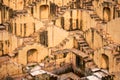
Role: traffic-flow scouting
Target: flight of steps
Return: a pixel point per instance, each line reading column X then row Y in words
column 61, row 45
column 63, row 9
column 106, row 36
column 29, row 40
column 88, row 5
column 84, row 47
column 86, row 58
column 115, row 50
column 90, row 63
column 32, row 38
column 60, row 12
column 82, row 44
column 118, row 58
column 117, row 55
column 26, row 41
column 94, row 16
column 90, row 9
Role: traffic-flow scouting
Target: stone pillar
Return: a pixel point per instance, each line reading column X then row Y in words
column 22, row 29
column 74, row 17
column 22, row 57
column 34, row 13
column 25, row 29
column 18, row 29
column 13, row 26
column 21, row 24
column 7, row 14
column 0, row 16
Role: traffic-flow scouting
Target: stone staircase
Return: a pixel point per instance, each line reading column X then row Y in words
column 85, row 48
column 82, row 43
column 26, row 41
column 106, row 36
column 118, row 57
column 110, row 44
column 29, row 40
column 60, row 12
column 115, row 51
column 90, row 9
column 61, row 45
column 32, row 38
column 88, row 5
column 94, row 16
column 86, row 58
column 63, row 9
column 89, row 62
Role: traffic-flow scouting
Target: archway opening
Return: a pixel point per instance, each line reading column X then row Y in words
column 105, row 62
column 32, row 56
column 106, row 14
column 44, row 12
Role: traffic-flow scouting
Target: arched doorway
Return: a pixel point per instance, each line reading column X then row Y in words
column 105, row 62
column 44, row 12
column 32, row 56
column 106, row 14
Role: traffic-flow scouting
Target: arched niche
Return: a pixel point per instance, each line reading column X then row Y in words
column 32, row 56
column 44, row 11
column 106, row 14
column 105, row 62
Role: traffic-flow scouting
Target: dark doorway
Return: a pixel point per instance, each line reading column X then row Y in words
column 79, row 62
